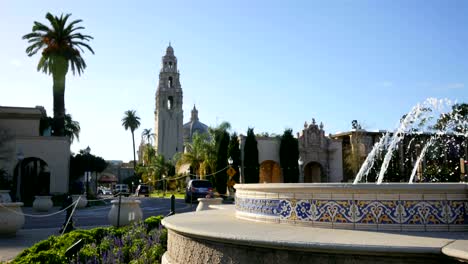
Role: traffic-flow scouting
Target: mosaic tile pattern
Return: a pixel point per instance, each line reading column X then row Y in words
column 372, row 212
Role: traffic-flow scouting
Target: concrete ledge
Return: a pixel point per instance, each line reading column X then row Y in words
column 221, row 226
column 458, row 249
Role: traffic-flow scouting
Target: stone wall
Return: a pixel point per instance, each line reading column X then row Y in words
column 186, row 249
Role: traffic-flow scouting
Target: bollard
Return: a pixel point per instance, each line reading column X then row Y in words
column 172, row 212
column 118, row 210
column 173, row 204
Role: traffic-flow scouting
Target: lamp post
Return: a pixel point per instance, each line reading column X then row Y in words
column 230, row 172
column 87, row 173
column 300, row 162
column 20, row 157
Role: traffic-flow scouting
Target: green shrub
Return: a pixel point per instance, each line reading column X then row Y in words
column 59, row 199
column 142, row 242
column 153, row 222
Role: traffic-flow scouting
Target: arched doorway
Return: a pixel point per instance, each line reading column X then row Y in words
column 34, row 180
column 313, row 172
column 270, row 172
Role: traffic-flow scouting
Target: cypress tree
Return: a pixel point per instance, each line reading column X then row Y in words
column 251, row 158
column 289, row 154
column 222, row 143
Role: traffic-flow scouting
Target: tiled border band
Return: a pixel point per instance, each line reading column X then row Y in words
column 368, row 211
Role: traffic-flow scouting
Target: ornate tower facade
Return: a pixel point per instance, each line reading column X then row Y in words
column 168, row 112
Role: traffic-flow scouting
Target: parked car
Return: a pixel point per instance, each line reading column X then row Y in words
column 197, row 189
column 142, row 189
column 104, row 191
column 121, row 188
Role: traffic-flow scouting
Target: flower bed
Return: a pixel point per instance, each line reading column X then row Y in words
column 141, row 242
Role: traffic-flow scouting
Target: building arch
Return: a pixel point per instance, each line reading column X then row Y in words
column 270, row 172
column 34, row 176
column 313, row 172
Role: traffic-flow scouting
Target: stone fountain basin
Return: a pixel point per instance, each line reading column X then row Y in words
column 387, row 207
column 11, row 218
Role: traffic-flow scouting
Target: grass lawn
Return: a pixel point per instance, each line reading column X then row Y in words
column 178, row 195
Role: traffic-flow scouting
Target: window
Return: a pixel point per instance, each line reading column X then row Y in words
column 169, row 82
column 170, row 102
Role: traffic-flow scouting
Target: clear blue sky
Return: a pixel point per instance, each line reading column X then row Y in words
column 270, row 65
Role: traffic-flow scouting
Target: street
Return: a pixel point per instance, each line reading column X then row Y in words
column 97, row 215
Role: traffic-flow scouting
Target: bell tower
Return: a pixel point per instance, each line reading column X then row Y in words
column 168, row 112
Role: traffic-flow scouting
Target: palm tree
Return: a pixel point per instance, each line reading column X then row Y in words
column 132, row 121
column 147, row 135
column 61, row 45
column 72, row 128
column 200, row 154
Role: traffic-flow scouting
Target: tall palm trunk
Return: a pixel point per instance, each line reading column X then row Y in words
column 134, row 157
column 58, row 75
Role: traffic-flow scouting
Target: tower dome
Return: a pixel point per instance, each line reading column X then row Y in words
column 194, row 126
column 169, row 50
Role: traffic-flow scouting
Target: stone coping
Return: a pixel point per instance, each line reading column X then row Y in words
column 17, row 204
column 349, row 187
column 126, row 201
column 223, row 226
column 457, row 249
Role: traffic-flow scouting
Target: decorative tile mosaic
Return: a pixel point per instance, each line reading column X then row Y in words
column 367, row 212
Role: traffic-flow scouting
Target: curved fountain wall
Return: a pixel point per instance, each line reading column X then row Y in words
column 395, row 206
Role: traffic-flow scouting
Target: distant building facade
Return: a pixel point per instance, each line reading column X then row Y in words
column 118, row 170
column 358, row 142
column 321, row 156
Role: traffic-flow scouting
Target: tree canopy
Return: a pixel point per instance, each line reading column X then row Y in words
column 131, row 121
column 61, row 46
column 251, row 166
column 221, row 136
column 289, row 155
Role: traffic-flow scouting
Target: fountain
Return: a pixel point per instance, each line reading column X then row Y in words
column 362, row 222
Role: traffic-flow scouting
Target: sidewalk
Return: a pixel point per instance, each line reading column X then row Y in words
column 10, row 247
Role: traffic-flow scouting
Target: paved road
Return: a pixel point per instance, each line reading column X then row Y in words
column 97, row 215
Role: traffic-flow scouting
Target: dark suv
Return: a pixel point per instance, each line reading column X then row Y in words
column 197, row 189
column 142, row 189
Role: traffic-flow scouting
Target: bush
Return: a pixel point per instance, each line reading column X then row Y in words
column 153, row 222
column 52, row 250
column 59, row 199
column 140, row 242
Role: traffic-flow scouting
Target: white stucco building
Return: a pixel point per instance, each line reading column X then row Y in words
column 40, row 162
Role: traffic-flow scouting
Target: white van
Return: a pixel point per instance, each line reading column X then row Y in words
column 121, row 188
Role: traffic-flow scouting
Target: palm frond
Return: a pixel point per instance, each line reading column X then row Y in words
column 40, row 27
column 61, row 39
column 79, row 44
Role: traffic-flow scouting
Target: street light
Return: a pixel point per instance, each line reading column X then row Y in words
column 230, row 172
column 87, row 173
column 300, row 162
column 20, row 157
